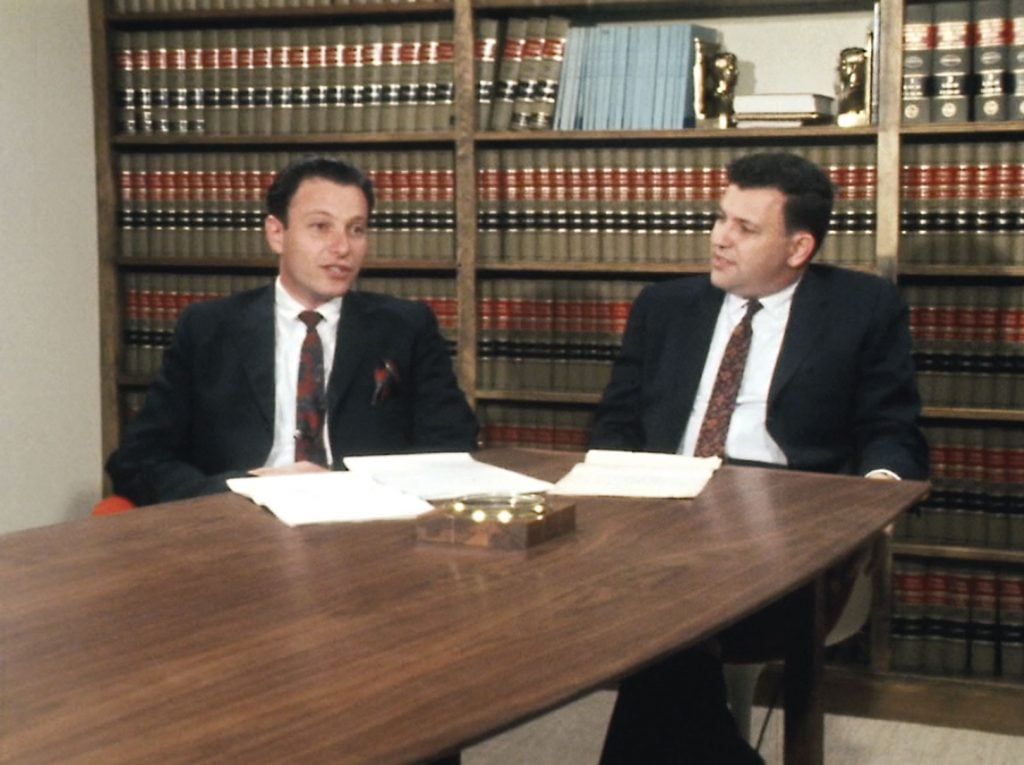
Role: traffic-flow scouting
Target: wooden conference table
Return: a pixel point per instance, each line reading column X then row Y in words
column 208, row 631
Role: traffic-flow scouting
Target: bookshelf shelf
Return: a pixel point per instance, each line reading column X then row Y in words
column 958, row 553
column 205, row 16
column 731, row 136
column 692, row 7
column 963, row 271
column 965, row 413
column 473, row 275
column 964, row 130
column 269, row 264
column 205, row 140
column 541, row 397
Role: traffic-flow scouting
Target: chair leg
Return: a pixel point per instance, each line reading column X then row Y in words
column 740, row 682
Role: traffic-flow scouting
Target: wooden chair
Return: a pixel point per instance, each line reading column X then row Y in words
column 741, row 679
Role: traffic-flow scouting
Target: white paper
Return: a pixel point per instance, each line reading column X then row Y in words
column 608, row 473
column 442, row 475
column 328, row 497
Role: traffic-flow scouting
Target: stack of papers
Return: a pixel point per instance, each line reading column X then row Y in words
column 329, row 496
column 443, row 475
column 606, row 473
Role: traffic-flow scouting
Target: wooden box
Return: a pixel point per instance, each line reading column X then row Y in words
column 500, row 522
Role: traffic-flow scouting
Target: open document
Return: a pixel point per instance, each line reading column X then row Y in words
column 443, row 475
column 328, row 496
column 606, row 473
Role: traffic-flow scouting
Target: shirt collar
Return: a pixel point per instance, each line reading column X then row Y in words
column 771, row 304
column 288, row 307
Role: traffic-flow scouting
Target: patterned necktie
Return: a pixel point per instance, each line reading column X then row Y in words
column 309, row 403
column 711, row 440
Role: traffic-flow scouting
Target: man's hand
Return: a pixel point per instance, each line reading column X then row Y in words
column 292, row 469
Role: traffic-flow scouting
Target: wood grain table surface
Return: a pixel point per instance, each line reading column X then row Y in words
column 208, row 631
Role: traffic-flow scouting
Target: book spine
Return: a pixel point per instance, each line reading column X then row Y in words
column 527, row 86
column 372, row 58
column 320, row 66
column 426, row 76
column 952, row 62
column 1015, row 57
column 992, row 30
column 508, row 73
column 444, row 109
column 485, row 58
column 918, row 53
column 390, row 76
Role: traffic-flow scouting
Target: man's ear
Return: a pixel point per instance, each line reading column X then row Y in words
column 273, row 230
column 802, row 246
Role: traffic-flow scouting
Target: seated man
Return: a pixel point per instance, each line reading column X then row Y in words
column 298, row 374
column 772, row 360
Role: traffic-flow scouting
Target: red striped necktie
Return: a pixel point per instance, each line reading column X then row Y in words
column 310, row 404
column 711, row 440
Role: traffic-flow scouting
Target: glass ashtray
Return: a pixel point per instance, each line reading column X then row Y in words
column 503, row 508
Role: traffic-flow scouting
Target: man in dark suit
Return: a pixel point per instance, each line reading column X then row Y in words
column 827, row 385
column 224, row 403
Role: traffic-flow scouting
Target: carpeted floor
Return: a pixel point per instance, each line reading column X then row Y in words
column 572, row 735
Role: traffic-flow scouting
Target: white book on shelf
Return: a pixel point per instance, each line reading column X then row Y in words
column 784, row 103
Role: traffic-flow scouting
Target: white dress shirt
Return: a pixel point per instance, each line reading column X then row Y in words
column 748, row 437
column 289, row 332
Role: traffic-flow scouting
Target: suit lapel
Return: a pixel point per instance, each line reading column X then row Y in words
column 254, row 342
column 808, row 318
column 355, row 339
column 687, row 342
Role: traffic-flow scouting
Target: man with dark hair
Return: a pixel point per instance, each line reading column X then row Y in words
column 769, row 360
column 296, row 375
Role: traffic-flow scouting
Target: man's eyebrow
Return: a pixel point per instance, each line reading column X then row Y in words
column 745, row 221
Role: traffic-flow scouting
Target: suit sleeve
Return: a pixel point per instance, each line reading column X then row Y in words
column 887, row 406
column 153, row 462
column 618, row 420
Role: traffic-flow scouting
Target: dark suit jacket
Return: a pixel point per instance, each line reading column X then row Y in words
column 209, row 414
column 842, row 398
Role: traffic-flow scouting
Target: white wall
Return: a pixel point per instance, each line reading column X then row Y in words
column 791, row 54
column 50, row 461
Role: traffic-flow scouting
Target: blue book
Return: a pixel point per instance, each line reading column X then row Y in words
column 644, row 52
column 568, row 88
column 660, row 76
column 602, row 56
column 621, row 58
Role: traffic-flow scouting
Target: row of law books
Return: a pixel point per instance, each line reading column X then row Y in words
column 972, row 380
column 962, row 204
column 174, row 6
column 970, row 318
column 550, row 334
column 284, row 79
column 641, row 205
column 533, row 426
column 977, row 496
column 991, row 517
column 958, row 619
column 210, row 205
column 152, row 302
column 963, row 60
